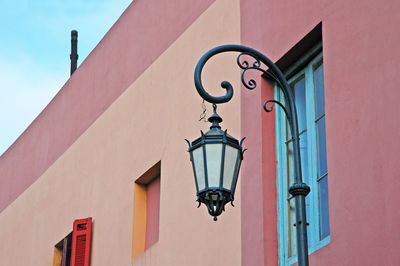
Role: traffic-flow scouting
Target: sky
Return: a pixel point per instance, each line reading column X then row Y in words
column 35, row 44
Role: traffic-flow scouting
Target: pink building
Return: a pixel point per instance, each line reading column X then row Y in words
column 106, row 160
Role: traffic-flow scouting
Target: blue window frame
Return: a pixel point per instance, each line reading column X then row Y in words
column 308, row 89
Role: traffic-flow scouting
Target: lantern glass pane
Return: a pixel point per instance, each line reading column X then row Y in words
column 214, row 154
column 236, row 174
column 198, row 161
column 231, row 155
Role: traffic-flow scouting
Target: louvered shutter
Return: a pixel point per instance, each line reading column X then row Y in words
column 81, row 241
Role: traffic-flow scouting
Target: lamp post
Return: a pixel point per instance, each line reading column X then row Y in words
column 210, row 164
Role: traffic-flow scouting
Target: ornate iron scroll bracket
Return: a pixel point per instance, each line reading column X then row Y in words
column 245, row 65
column 274, row 73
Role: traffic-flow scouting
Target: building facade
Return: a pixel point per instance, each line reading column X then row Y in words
column 106, row 160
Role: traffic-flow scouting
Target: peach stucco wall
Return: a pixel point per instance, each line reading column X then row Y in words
column 146, row 124
column 142, row 33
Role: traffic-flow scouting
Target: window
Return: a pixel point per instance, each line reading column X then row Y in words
column 62, row 252
column 146, row 210
column 308, row 90
column 74, row 249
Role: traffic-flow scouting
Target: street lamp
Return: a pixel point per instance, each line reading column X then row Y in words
column 207, row 152
column 216, row 157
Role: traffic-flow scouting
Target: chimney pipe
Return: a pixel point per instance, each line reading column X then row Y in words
column 74, row 50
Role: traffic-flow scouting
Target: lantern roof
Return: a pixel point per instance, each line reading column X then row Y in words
column 215, row 134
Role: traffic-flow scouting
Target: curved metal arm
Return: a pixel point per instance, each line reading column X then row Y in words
column 266, row 109
column 274, row 74
column 299, row 190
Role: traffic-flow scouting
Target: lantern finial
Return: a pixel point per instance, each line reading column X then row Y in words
column 215, row 119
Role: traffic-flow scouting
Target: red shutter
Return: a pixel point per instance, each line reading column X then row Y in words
column 81, row 240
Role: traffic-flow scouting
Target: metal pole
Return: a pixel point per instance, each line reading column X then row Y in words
column 299, row 189
column 74, row 51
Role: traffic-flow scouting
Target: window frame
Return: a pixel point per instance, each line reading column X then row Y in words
column 141, row 214
column 304, row 66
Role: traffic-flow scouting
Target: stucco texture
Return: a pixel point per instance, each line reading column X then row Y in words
column 140, row 35
column 147, row 123
column 361, row 65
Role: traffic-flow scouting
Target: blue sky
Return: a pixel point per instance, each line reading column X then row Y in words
column 35, row 45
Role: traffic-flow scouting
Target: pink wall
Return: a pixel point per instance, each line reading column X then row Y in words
column 259, row 236
column 123, row 54
column 361, row 64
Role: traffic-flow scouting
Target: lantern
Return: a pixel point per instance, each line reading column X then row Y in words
column 216, row 157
